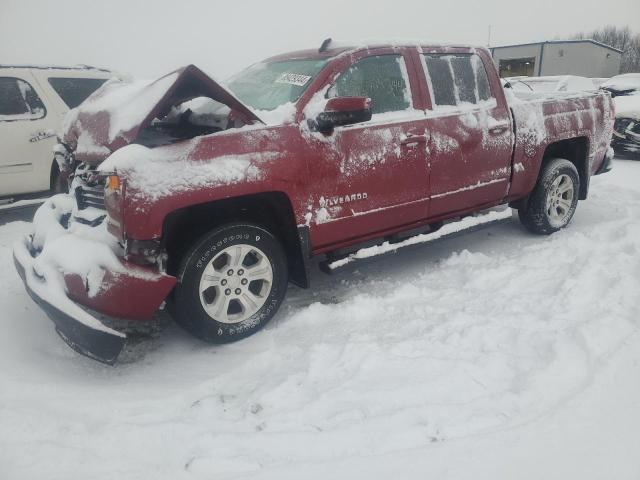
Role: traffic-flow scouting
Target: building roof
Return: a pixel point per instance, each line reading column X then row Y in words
column 586, row 40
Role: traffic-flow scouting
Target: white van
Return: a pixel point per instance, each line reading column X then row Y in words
column 33, row 103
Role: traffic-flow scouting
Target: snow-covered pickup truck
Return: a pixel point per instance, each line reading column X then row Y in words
column 210, row 199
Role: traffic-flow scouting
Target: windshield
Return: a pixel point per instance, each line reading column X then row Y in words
column 266, row 86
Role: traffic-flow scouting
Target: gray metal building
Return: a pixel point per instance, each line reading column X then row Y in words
column 587, row 58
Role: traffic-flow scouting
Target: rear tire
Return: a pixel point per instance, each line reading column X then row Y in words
column 230, row 283
column 553, row 201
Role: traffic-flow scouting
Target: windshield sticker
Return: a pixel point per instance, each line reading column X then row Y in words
column 293, row 79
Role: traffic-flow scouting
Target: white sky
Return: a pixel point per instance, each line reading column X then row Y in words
column 148, row 38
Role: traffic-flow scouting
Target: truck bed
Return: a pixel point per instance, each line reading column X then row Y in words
column 561, row 119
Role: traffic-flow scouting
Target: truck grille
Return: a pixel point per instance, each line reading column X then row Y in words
column 90, row 197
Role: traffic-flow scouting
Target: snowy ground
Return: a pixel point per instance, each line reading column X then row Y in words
column 495, row 354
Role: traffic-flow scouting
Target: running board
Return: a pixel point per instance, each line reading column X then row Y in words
column 337, row 260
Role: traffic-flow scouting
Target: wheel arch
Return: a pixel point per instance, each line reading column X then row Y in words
column 576, row 150
column 270, row 210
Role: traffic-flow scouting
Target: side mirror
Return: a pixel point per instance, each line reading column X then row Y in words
column 343, row 111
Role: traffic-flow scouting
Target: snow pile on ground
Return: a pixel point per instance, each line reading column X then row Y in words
column 494, row 354
column 10, row 204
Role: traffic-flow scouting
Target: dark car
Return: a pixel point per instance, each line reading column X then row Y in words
column 625, row 90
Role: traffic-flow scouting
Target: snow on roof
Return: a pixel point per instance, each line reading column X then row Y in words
column 627, row 106
column 55, row 67
column 626, row 81
column 336, row 48
column 392, row 42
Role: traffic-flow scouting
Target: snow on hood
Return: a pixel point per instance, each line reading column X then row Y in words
column 624, row 82
column 114, row 115
column 152, row 174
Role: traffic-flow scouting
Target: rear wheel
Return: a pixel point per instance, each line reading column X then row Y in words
column 554, row 199
column 230, row 284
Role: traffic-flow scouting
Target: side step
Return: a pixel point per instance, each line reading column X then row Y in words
column 338, row 256
column 452, row 228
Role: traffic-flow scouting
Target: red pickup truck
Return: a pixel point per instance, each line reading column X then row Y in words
column 211, row 198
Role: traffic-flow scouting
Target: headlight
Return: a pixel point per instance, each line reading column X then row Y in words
column 114, row 193
column 113, row 183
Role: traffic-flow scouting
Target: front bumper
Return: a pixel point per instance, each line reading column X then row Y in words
column 103, row 345
column 626, row 146
column 62, row 286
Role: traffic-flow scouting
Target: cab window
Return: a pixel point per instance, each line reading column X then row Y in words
column 457, row 79
column 19, row 101
column 380, row 78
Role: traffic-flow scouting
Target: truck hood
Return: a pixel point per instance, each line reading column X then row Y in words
column 117, row 112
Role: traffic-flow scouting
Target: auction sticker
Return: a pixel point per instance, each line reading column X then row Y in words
column 293, row 79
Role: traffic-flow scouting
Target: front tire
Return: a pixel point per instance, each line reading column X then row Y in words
column 230, row 283
column 554, row 199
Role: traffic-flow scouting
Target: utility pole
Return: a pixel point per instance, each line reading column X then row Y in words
column 489, row 37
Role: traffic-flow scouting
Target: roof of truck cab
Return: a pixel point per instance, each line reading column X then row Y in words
column 336, row 49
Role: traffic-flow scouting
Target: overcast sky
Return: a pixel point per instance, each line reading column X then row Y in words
column 148, row 38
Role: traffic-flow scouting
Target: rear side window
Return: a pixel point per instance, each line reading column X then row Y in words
column 457, row 79
column 380, row 78
column 19, row 101
column 74, row 91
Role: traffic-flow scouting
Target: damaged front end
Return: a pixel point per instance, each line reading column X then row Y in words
column 79, row 264
column 77, row 272
column 178, row 106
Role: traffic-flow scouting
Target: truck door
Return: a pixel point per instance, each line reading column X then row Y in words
column 469, row 127
column 27, row 135
column 371, row 176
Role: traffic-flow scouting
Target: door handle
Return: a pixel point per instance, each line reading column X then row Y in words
column 498, row 129
column 413, row 140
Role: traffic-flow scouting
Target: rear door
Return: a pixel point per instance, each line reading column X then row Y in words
column 469, row 129
column 371, row 176
column 27, row 135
